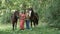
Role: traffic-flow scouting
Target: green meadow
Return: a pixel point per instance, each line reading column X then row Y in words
column 42, row 28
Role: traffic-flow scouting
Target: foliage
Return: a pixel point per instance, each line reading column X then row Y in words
column 48, row 10
column 52, row 13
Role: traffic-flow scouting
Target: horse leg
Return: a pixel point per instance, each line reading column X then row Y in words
column 13, row 25
column 31, row 24
column 37, row 22
column 16, row 25
column 34, row 24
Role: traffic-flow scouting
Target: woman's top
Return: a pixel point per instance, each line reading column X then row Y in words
column 22, row 16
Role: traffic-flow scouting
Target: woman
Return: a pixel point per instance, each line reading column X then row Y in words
column 22, row 19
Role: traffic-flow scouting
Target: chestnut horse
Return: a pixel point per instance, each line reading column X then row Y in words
column 14, row 19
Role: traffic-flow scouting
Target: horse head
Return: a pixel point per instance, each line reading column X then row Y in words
column 31, row 12
column 16, row 13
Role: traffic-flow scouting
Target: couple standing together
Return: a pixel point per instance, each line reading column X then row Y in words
column 24, row 17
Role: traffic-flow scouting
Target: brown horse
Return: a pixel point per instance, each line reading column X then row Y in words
column 14, row 19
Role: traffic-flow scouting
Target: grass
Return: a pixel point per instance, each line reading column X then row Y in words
column 41, row 29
